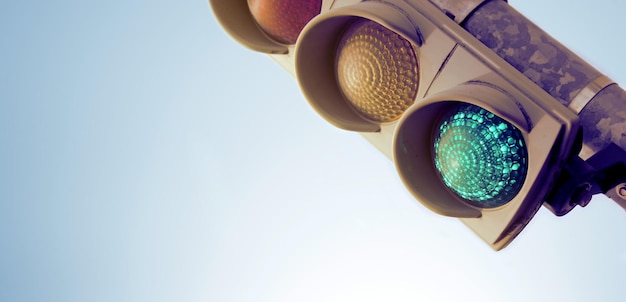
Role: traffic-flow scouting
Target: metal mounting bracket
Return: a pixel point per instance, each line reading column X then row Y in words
column 458, row 10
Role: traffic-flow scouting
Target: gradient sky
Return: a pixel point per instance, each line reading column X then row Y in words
column 146, row 156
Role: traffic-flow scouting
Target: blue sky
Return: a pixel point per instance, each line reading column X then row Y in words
column 146, row 156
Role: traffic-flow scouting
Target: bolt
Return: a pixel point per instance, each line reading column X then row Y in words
column 621, row 190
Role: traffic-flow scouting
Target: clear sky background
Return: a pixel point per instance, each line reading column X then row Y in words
column 146, row 156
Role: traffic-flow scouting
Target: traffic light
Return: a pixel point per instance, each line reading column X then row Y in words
column 471, row 135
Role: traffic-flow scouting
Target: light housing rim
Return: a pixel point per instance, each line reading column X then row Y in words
column 412, row 146
column 237, row 20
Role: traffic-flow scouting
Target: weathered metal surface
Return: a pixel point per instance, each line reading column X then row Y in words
column 604, row 119
column 555, row 69
column 585, row 95
column 530, row 50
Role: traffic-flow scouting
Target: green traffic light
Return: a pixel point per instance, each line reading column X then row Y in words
column 480, row 156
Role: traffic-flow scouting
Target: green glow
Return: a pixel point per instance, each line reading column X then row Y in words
column 480, row 156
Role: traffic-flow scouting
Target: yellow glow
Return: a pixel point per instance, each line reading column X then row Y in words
column 377, row 71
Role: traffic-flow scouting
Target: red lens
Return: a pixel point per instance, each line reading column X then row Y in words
column 283, row 20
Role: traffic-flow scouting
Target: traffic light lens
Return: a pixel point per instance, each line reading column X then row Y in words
column 377, row 71
column 480, row 156
column 283, row 20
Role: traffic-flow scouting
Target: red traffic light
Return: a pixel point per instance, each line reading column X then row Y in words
column 283, row 20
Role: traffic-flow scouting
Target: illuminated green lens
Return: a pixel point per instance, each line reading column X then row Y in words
column 480, row 156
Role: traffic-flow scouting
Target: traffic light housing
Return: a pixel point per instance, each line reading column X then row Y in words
column 470, row 135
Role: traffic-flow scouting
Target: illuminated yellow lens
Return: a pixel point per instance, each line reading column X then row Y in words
column 377, row 71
